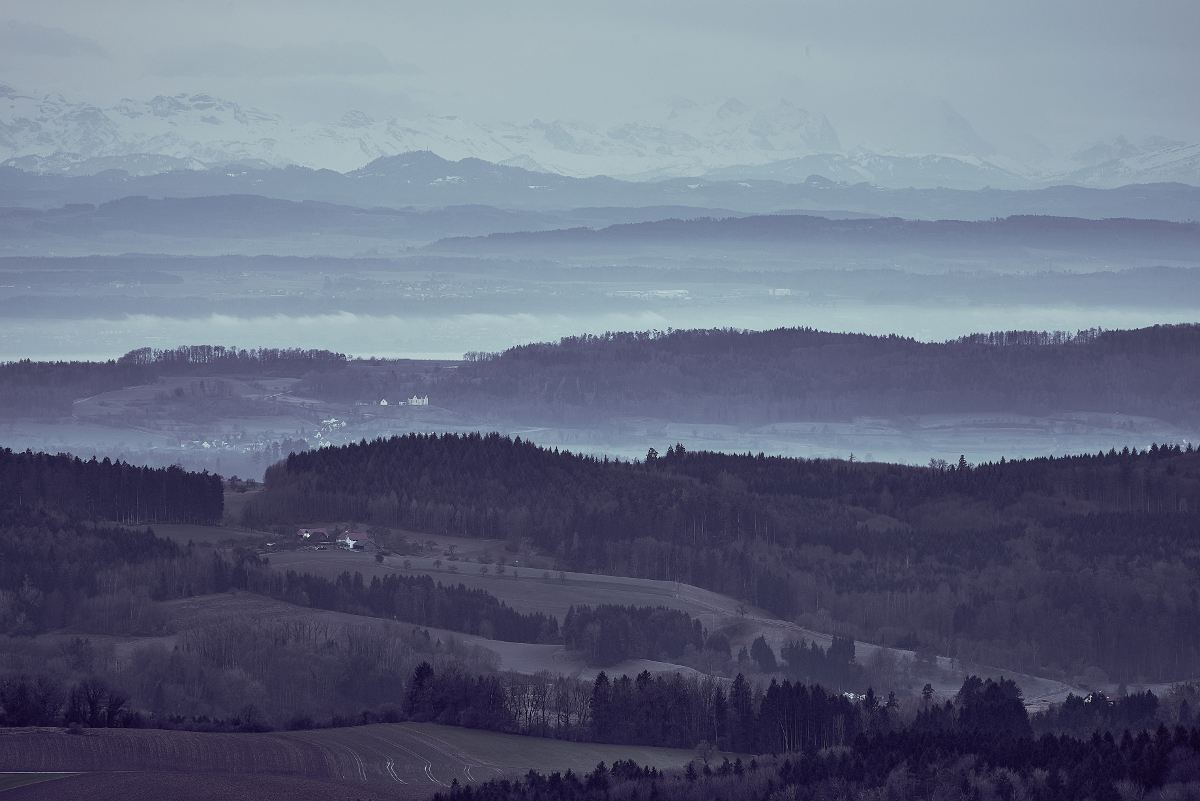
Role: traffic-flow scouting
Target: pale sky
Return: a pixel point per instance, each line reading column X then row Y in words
column 1067, row 73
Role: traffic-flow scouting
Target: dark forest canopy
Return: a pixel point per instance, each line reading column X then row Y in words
column 966, row 560
column 110, row 491
column 493, row 486
column 909, row 764
column 732, row 376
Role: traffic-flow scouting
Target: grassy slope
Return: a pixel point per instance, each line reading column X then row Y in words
column 407, row 760
column 178, row 786
column 427, row 752
column 527, row 593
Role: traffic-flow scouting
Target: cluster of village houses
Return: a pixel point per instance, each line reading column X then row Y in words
column 347, row 540
column 413, row 401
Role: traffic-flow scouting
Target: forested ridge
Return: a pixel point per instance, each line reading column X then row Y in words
column 729, row 376
column 1017, row 231
column 1066, row 565
column 723, row 376
column 47, row 389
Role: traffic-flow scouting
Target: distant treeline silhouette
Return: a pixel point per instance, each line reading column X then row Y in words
column 218, row 357
column 733, row 377
column 721, row 376
column 815, row 233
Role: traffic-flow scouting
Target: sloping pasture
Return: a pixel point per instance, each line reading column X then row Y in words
column 406, row 760
column 427, row 753
column 138, row 785
column 55, row 750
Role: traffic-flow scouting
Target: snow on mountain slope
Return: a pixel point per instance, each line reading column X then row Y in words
column 51, row 134
column 1175, row 162
column 891, row 170
column 728, row 140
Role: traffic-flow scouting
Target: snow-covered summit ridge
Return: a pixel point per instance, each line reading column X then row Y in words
column 727, row 140
column 52, row 134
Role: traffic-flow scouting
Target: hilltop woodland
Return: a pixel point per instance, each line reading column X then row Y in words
column 47, row 389
column 733, row 377
column 719, row 376
column 1082, row 566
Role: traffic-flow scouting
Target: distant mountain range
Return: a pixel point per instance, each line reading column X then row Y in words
column 422, row 180
column 727, row 141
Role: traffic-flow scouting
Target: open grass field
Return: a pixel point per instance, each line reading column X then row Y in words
column 235, row 502
column 34, row 750
column 511, row 752
column 178, row 786
column 423, row 753
column 528, row 590
column 404, row 760
column 209, row 536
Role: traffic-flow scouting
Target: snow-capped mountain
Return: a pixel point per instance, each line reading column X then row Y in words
column 1121, row 162
column 51, row 134
column 729, row 140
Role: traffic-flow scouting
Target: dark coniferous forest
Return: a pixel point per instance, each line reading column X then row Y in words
column 109, row 491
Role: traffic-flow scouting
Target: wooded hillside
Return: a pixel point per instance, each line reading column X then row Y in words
column 799, row 374
column 1068, row 564
column 108, row 491
column 47, row 389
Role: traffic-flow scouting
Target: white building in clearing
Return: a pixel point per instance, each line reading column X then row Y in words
column 383, row 402
column 415, row 401
column 351, row 540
